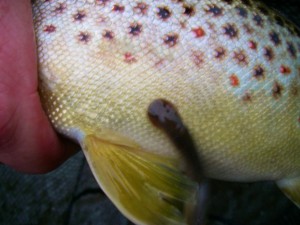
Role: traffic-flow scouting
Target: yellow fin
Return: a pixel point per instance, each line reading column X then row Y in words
column 291, row 188
column 146, row 187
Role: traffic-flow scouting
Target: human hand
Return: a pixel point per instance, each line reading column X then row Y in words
column 28, row 143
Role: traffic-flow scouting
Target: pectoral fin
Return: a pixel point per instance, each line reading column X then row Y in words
column 147, row 188
column 291, row 188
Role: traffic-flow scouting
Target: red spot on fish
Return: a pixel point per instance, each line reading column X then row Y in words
column 285, row 70
column 252, row 45
column 129, row 58
column 199, row 32
column 118, row 8
column 234, row 80
column 141, row 8
column 50, row 28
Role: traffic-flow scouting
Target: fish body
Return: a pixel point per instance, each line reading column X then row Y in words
column 230, row 67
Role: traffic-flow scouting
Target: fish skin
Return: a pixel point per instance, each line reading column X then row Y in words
column 232, row 68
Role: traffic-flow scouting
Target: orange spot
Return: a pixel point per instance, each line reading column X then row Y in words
column 129, row 58
column 234, row 80
column 199, row 32
column 285, row 70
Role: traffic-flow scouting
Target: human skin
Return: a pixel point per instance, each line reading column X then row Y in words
column 28, row 143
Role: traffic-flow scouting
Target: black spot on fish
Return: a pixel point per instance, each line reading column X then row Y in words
column 258, row 20
column 79, row 16
column 291, row 50
column 109, row 35
column 188, row 10
column 268, row 53
column 214, row 10
column 242, row 12
column 135, row 29
column 163, row 12
column 259, row 72
column 274, row 37
column 84, row 37
column 171, row 39
column 277, row 90
column 230, row 30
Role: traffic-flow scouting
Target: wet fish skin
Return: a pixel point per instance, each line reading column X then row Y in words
column 231, row 67
column 218, row 57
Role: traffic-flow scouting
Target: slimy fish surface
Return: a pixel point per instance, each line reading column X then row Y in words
column 231, row 68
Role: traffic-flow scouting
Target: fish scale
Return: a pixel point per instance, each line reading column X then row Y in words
column 231, row 68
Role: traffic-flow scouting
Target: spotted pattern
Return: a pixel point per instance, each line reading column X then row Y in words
column 261, row 45
column 199, row 32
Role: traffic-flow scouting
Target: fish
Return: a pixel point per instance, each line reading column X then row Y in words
column 230, row 69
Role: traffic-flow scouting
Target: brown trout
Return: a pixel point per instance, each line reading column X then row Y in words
column 231, row 68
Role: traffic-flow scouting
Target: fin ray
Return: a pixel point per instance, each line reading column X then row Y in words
column 146, row 187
